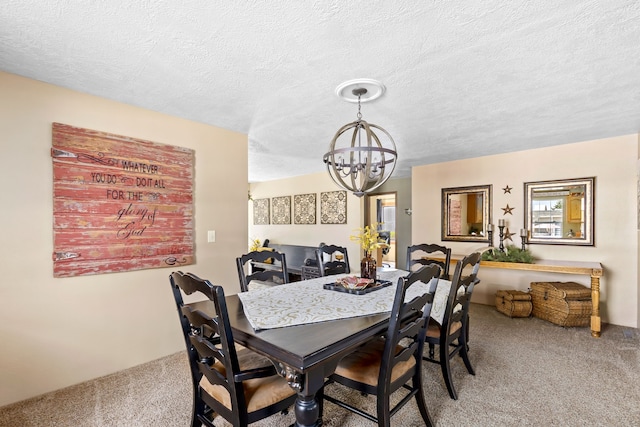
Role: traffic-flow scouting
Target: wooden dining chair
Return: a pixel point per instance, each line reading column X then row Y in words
column 240, row 385
column 394, row 361
column 332, row 259
column 271, row 272
column 422, row 254
column 452, row 337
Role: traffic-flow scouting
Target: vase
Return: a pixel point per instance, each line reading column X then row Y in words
column 368, row 267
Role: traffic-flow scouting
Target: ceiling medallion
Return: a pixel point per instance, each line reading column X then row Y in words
column 365, row 157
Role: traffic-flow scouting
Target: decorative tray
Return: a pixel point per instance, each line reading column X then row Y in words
column 379, row 284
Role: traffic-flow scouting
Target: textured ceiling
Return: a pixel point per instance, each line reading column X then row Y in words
column 464, row 78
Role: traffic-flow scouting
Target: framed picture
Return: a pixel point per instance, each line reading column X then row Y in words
column 281, row 210
column 304, row 208
column 119, row 203
column 261, row 212
column 333, row 207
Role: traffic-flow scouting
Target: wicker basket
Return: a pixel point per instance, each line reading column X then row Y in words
column 562, row 303
column 513, row 303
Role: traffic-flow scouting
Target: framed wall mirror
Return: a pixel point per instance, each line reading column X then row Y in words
column 466, row 213
column 560, row 212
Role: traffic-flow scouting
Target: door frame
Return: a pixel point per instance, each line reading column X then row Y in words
column 368, row 220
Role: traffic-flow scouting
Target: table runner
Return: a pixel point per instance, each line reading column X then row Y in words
column 307, row 301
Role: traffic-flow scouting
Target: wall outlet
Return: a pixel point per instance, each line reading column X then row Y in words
column 211, row 236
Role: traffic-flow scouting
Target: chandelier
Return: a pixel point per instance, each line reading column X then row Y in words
column 361, row 156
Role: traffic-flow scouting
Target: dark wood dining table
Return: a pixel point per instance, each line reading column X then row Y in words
column 303, row 354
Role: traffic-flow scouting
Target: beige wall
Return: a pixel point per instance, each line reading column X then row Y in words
column 58, row 332
column 612, row 161
column 312, row 234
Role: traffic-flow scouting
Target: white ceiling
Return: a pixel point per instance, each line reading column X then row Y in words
column 464, row 78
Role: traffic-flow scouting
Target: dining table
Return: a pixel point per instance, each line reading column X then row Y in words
column 305, row 329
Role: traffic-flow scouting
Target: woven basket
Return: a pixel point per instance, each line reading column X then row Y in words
column 562, row 303
column 513, row 303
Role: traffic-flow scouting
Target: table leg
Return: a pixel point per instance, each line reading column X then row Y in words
column 595, row 311
column 306, row 408
column 307, row 411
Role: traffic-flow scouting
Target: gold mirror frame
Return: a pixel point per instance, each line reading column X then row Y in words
column 568, row 214
column 468, row 219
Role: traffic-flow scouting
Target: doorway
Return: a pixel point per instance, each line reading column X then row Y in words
column 381, row 209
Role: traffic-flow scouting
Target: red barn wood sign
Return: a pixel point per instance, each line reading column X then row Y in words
column 119, row 203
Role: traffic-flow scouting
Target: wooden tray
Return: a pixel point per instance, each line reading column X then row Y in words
column 337, row 287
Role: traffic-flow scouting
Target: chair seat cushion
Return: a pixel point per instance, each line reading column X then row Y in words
column 259, row 392
column 363, row 365
column 433, row 331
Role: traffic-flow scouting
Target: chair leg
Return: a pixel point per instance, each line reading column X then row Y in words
column 198, row 409
column 464, row 353
column 466, row 330
column 384, row 418
column 420, row 400
column 446, row 370
column 320, row 399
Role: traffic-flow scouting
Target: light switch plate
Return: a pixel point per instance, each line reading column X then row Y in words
column 211, row 236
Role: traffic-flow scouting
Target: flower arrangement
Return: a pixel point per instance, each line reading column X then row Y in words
column 369, row 238
column 510, row 254
column 254, row 245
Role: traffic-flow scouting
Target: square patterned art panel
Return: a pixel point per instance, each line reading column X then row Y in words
column 333, row 207
column 304, row 209
column 261, row 211
column 281, row 210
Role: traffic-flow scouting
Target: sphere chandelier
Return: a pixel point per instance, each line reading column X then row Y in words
column 361, row 156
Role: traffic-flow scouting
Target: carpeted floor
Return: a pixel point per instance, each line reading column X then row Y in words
column 528, row 373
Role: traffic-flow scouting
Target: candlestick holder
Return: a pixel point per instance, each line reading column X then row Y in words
column 501, row 247
column 523, row 236
column 490, row 234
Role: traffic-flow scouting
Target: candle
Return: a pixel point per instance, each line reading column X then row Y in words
column 501, row 223
column 523, row 232
column 489, row 227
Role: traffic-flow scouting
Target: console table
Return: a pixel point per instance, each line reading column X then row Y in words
column 591, row 269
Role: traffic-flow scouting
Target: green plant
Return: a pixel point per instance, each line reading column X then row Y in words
column 511, row 254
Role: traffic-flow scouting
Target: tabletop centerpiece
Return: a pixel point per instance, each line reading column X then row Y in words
column 369, row 241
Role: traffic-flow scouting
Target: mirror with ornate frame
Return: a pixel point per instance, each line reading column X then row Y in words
column 466, row 213
column 560, row 212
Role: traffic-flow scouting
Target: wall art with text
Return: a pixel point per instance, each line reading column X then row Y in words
column 119, row 203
